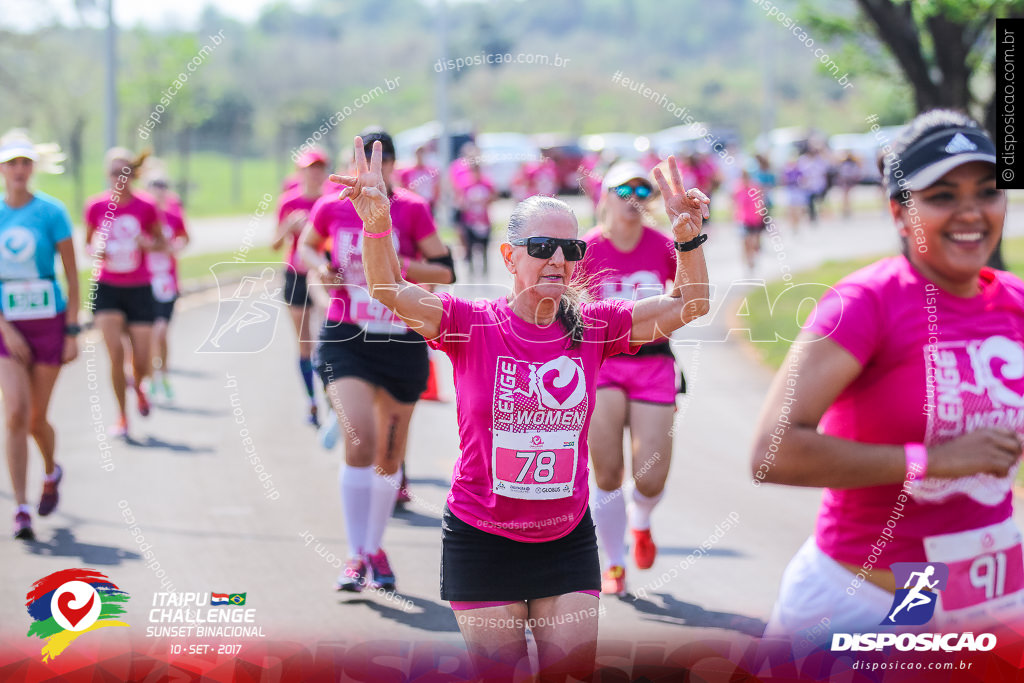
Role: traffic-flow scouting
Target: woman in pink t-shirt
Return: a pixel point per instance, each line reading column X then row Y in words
column 517, row 540
column 422, row 179
column 373, row 366
column 120, row 228
column 292, row 216
column 474, row 199
column 904, row 398
column 744, row 202
column 163, row 266
column 628, row 260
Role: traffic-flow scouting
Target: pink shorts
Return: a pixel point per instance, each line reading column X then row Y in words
column 459, row 606
column 650, row 379
column 44, row 336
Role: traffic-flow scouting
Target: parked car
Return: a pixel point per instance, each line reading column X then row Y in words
column 621, row 145
column 695, row 137
column 567, row 154
column 781, row 144
column 501, row 155
column 865, row 148
column 429, row 134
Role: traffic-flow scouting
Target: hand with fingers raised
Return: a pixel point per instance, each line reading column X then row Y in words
column 366, row 190
column 687, row 209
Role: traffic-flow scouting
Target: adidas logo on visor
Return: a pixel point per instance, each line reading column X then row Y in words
column 960, row 144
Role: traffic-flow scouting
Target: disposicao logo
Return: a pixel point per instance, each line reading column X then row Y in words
column 914, row 605
column 68, row 603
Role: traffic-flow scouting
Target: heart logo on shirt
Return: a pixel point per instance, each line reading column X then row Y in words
column 562, row 385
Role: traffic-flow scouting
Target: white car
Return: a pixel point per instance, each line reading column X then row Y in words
column 620, row 145
column 865, row 147
column 501, row 155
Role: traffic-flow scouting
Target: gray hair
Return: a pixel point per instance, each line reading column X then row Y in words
column 569, row 313
column 532, row 207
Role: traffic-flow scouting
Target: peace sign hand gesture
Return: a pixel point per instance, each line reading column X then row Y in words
column 366, row 189
column 687, row 209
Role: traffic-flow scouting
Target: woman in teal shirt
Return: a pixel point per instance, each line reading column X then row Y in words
column 38, row 325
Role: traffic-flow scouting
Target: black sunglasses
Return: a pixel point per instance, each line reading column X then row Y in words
column 641, row 191
column 544, row 247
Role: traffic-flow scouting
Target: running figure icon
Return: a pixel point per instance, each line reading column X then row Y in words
column 256, row 302
column 916, row 596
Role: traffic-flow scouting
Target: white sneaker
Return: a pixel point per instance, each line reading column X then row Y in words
column 327, row 435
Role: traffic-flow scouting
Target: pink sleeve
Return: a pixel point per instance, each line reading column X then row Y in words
column 88, row 217
column 282, row 208
column 455, row 324
column 851, row 316
column 319, row 219
column 154, row 221
column 422, row 222
column 179, row 224
column 612, row 319
column 670, row 260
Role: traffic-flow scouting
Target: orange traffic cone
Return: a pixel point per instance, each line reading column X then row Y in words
column 431, row 393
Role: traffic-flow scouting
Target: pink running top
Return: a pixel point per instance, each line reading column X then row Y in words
column 935, row 366
column 524, row 401
column 292, row 201
column 423, row 180
column 135, row 215
column 163, row 265
column 745, row 205
column 633, row 275
column 337, row 219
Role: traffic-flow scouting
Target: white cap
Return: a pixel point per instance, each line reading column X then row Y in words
column 18, row 147
column 621, row 173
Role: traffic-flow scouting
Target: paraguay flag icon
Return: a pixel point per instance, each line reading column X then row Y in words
column 68, row 603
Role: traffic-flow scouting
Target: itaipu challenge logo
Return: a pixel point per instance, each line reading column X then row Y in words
column 68, row 603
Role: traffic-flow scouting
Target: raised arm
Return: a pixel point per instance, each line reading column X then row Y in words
column 418, row 308
column 789, row 450
column 659, row 316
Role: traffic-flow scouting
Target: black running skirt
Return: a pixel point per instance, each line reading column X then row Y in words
column 397, row 363
column 479, row 566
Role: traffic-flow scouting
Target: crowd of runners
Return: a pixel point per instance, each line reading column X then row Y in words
column 903, row 394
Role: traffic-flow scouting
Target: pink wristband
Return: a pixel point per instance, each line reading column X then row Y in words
column 375, row 235
column 917, row 460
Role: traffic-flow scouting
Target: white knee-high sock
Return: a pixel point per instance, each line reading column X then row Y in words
column 355, row 483
column 609, row 511
column 383, row 494
column 640, row 511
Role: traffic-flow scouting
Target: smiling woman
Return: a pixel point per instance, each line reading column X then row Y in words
column 517, row 540
column 902, row 397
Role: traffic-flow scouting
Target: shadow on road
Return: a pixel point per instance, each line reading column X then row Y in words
column 182, row 410
column 674, row 611
column 64, row 544
column 685, row 550
column 431, row 481
column 155, row 442
column 425, row 615
column 186, row 372
column 411, row 517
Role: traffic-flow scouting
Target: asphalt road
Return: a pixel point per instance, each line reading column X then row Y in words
column 187, row 486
